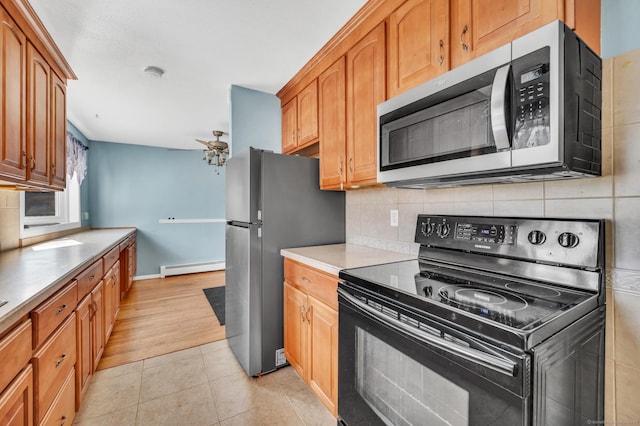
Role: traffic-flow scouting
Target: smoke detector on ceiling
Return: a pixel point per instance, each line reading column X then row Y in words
column 153, row 71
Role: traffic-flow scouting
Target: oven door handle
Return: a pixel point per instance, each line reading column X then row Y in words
column 490, row 361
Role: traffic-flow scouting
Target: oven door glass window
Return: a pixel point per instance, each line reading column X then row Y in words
column 408, row 392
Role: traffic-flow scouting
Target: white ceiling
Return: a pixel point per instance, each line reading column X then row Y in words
column 204, row 46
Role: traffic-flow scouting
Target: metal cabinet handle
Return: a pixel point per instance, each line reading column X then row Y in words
column 307, row 280
column 64, row 420
column 302, row 309
column 91, row 314
column 441, row 60
column 351, row 164
column 61, row 360
column 24, row 165
column 308, row 312
column 53, row 169
column 464, row 45
column 91, row 277
column 60, row 309
column 33, row 162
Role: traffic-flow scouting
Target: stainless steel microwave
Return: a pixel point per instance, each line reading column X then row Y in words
column 529, row 110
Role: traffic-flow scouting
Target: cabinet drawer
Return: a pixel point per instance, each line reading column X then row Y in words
column 111, row 257
column 48, row 316
column 316, row 283
column 124, row 245
column 88, row 279
column 15, row 351
column 52, row 364
column 63, row 408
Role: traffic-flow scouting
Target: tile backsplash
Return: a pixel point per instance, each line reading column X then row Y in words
column 615, row 197
column 9, row 219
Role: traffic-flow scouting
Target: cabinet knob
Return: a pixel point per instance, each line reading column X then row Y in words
column 60, row 309
column 61, row 360
column 464, row 45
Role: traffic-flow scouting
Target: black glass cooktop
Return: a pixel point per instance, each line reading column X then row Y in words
column 518, row 304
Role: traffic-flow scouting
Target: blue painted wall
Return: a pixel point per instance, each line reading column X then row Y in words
column 133, row 185
column 255, row 120
column 84, row 186
column 620, row 27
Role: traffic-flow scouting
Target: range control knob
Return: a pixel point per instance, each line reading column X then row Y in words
column 443, row 230
column 537, row 237
column 568, row 240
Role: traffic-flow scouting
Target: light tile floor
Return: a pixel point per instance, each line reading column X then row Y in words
column 204, row 385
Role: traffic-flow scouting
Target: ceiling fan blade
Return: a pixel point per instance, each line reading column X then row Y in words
column 207, row 143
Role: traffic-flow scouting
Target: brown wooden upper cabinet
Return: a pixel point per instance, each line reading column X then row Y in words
column 13, row 45
column 38, row 130
column 479, row 26
column 418, row 44
column 366, row 82
column 332, row 122
column 300, row 119
column 32, row 102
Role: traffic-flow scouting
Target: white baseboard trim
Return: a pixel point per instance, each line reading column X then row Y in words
column 145, row 277
column 190, row 268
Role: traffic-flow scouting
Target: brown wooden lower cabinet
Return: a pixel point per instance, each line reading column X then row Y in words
column 90, row 339
column 52, row 364
column 83, row 348
column 311, row 329
column 16, row 402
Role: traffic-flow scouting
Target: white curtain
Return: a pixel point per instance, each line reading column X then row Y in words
column 76, row 158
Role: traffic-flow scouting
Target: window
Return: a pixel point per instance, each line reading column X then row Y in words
column 47, row 212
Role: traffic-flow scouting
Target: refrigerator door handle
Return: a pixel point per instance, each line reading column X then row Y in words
column 238, row 223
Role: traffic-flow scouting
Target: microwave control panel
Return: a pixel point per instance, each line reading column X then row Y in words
column 531, row 100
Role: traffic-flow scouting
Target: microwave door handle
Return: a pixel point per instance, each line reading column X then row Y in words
column 497, row 364
column 499, row 109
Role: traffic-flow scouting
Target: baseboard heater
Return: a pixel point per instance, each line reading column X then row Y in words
column 190, row 268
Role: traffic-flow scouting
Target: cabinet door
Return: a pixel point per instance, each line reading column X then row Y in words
column 308, row 114
column 58, row 139
column 289, row 126
column 97, row 325
column 13, row 46
column 365, row 90
column 296, row 329
column 418, row 43
column 84, row 312
column 38, row 131
column 333, row 125
column 479, row 26
column 116, row 290
column 16, row 402
column 323, row 368
column 108, row 304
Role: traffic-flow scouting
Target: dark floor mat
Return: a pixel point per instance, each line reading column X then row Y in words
column 215, row 296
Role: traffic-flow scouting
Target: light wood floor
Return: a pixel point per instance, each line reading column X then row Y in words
column 163, row 315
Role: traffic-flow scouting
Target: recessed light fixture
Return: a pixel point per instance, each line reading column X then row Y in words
column 153, row 71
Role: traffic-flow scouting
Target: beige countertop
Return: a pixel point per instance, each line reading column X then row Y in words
column 29, row 275
column 334, row 257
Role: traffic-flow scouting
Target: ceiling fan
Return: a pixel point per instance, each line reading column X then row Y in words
column 217, row 151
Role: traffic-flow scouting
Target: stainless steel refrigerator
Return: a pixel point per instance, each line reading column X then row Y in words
column 273, row 201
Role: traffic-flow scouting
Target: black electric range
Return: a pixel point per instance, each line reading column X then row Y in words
column 491, row 305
